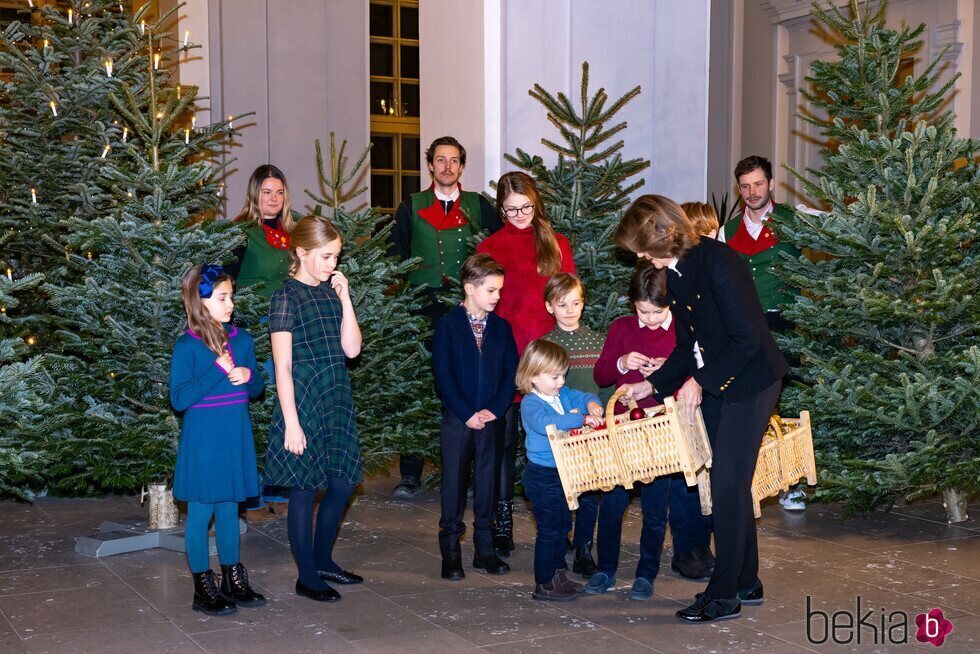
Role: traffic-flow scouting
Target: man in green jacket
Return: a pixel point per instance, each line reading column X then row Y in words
column 436, row 225
column 753, row 237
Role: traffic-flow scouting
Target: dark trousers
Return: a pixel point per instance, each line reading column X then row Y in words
column 669, row 500
column 612, row 505
column 585, row 518
column 552, row 517
column 463, row 447
column 508, row 454
column 735, row 442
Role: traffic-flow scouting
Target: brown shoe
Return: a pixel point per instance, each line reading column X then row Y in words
column 258, row 516
column 279, row 509
column 556, row 590
column 574, row 586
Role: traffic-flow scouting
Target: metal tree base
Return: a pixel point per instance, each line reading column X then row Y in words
column 121, row 537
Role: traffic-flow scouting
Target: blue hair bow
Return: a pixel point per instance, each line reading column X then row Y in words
column 209, row 273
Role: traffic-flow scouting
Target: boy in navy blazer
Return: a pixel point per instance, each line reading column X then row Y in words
column 474, row 357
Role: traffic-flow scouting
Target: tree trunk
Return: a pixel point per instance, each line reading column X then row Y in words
column 954, row 501
column 162, row 512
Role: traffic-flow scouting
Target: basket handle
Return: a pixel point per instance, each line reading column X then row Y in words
column 611, row 408
column 776, row 427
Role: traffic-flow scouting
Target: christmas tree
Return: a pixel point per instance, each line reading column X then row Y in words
column 394, row 393
column 586, row 190
column 23, row 388
column 139, row 223
column 889, row 325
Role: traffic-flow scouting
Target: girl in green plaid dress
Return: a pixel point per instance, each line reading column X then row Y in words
column 313, row 441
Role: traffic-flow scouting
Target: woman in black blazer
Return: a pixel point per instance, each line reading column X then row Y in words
column 714, row 299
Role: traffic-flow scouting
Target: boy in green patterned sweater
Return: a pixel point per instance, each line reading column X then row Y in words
column 564, row 298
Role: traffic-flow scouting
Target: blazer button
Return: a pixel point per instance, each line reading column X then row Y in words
column 698, row 296
column 673, row 301
column 689, row 308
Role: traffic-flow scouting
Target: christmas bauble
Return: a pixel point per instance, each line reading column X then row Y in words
column 637, row 413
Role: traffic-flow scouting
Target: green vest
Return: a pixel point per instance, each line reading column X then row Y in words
column 443, row 251
column 772, row 292
column 262, row 263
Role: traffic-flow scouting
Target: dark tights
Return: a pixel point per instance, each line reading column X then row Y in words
column 314, row 552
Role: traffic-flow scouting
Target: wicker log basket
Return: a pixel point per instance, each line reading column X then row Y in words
column 625, row 451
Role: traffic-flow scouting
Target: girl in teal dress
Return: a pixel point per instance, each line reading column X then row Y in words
column 212, row 376
column 313, row 441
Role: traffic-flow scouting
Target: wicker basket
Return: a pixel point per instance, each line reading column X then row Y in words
column 627, row 451
column 786, row 456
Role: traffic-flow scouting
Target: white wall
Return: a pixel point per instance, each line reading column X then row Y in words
column 501, row 48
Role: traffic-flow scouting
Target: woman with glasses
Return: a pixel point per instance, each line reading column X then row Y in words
column 530, row 252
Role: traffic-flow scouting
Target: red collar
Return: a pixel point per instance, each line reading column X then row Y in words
column 743, row 243
column 436, row 215
column 277, row 238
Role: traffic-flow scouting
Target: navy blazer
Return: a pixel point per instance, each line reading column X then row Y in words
column 468, row 379
column 714, row 299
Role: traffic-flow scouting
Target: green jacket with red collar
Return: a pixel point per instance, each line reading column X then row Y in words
column 761, row 255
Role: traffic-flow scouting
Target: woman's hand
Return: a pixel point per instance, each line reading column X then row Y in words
column 226, row 362
column 690, row 397
column 340, row 284
column 634, row 360
column 638, row 391
column 239, row 376
column 295, row 441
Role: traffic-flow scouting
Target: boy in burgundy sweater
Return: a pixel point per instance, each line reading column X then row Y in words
column 635, row 346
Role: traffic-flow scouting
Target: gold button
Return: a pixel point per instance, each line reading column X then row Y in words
column 673, row 301
column 698, row 296
column 689, row 308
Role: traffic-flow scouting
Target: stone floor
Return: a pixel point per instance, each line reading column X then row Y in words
column 54, row 600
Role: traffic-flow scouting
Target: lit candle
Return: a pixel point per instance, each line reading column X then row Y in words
column 33, row 196
column 54, row 108
column 187, row 136
column 67, row 258
column 129, row 194
column 108, row 67
column 125, row 134
column 105, row 150
column 187, row 35
column 31, row 340
column 89, row 256
column 178, row 91
column 30, row 3
column 156, row 61
column 159, row 115
column 10, row 275
column 69, row 16
column 121, row 10
column 3, row 310
column 220, row 189
column 193, row 122
column 142, row 28
column 45, row 43
column 231, row 125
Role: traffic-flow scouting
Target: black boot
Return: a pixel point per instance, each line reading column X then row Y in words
column 584, row 564
column 503, row 529
column 207, row 597
column 234, row 586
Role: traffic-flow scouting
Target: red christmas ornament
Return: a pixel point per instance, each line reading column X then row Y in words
column 637, row 414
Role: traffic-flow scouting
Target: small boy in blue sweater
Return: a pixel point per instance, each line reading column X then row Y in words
column 474, row 357
column 541, row 377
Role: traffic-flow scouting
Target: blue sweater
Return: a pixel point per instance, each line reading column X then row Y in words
column 216, row 454
column 470, row 379
column 536, row 415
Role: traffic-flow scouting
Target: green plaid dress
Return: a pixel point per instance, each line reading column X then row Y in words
column 324, row 400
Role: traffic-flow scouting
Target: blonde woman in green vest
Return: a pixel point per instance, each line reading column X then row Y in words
column 267, row 221
column 263, row 262
column 436, row 225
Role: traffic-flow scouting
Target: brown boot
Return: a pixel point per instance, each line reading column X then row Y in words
column 569, row 584
column 556, row 590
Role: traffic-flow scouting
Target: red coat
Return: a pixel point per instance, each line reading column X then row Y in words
column 522, row 297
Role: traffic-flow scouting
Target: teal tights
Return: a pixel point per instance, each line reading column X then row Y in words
column 225, row 531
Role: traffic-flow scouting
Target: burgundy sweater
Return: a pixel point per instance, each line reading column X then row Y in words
column 625, row 336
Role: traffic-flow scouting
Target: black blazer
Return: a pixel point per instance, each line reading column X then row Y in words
column 714, row 300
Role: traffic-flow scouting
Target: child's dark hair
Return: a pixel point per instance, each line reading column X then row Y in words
column 648, row 284
column 479, row 267
column 561, row 284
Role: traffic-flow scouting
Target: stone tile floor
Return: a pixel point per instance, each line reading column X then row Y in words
column 54, row 600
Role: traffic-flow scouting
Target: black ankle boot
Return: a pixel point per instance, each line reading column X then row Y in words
column 503, row 529
column 584, row 564
column 235, row 586
column 207, row 597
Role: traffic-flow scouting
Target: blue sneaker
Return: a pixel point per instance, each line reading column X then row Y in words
column 599, row 583
column 642, row 589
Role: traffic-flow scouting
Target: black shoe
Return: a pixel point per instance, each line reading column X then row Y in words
column 753, row 596
column 452, row 569
column 503, row 529
column 706, row 609
column 697, row 565
column 344, row 578
column 235, row 586
column 328, row 594
column 408, row 488
column 207, row 598
column 584, row 564
column 489, row 562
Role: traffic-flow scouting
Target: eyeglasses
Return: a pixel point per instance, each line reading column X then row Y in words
column 512, row 212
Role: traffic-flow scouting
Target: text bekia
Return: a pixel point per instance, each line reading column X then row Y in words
column 857, row 626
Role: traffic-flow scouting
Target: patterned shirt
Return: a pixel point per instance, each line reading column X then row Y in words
column 584, row 347
column 478, row 325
